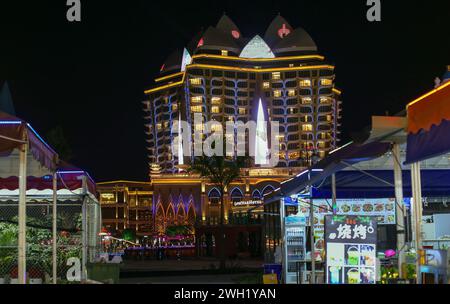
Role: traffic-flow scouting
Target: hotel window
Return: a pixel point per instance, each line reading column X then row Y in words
column 199, row 127
column 159, row 126
column 306, row 100
column 277, row 93
column 294, row 155
column 174, row 107
column 291, row 93
column 242, row 111
column 197, row 99
column 305, row 83
column 216, row 127
column 329, row 118
column 326, row 82
column 291, row 65
column 276, row 75
column 196, row 109
column 321, row 144
column 266, row 84
column 325, row 100
column 196, row 81
column 215, row 100
column 224, row 53
column 307, row 127
column 215, row 109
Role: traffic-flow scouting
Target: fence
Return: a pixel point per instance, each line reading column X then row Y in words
column 78, row 223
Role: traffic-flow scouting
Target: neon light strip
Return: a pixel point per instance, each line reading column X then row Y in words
column 259, row 59
column 221, row 67
column 167, row 85
column 40, row 138
column 337, row 149
column 9, row 122
column 169, row 76
column 428, row 94
column 228, row 68
column 337, row 91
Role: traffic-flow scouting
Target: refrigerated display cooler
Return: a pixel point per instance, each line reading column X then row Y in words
column 294, row 266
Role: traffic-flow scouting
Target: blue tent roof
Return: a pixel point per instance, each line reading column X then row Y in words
column 356, row 184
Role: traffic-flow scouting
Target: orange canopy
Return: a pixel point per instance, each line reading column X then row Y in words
column 429, row 109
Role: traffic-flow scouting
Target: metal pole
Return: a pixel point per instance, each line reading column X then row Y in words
column 22, row 262
column 283, row 240
column 417, row 212
column 55, row 233
column 333, row 190
column 84, row 231
column 399, row 206
column 311, row 232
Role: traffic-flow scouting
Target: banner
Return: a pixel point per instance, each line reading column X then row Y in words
column 350, row 249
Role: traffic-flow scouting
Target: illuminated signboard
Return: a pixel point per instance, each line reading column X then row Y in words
column 247, row 203
column 351, row 249
column 107, row 198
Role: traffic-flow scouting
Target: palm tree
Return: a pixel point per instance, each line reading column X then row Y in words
column 220, row 171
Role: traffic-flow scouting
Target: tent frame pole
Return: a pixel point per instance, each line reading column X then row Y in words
column 84, row 224
column 417, row 214
column 400, row 206
column 54, row 228
column 22, row 243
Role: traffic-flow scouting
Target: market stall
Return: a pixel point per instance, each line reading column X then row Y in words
column 53, row 202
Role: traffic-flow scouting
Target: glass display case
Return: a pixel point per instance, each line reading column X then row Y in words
column 294, row 249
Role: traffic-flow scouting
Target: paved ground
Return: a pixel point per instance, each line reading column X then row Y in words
column 199, row 279
column 185, row 265
column 188, row 271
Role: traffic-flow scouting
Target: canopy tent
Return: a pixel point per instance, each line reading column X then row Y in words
column 33, row 184
column 357, row 184
column 429, row 124
column 339, row 159
column 14, row 132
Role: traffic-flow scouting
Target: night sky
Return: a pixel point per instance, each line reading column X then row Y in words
column 89, row 77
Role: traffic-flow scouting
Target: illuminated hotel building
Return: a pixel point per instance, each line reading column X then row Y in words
column 126, row 205
column 225, row 76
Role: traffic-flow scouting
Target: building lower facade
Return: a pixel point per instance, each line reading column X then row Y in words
column 127, row 205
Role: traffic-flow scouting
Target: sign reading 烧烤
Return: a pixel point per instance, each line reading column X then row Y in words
column 351, row 249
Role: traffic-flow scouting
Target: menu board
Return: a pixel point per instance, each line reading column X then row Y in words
column 381, row 208
column 351, row 249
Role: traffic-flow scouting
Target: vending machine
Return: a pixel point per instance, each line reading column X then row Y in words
column 294, row 266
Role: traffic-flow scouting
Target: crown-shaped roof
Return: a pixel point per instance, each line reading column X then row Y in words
column 227, row 25
column 257, row 48
column 278, row 29
column 298, row 40
column 214, row 39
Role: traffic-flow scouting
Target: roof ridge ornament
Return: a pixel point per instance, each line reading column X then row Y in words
column 257, row 48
